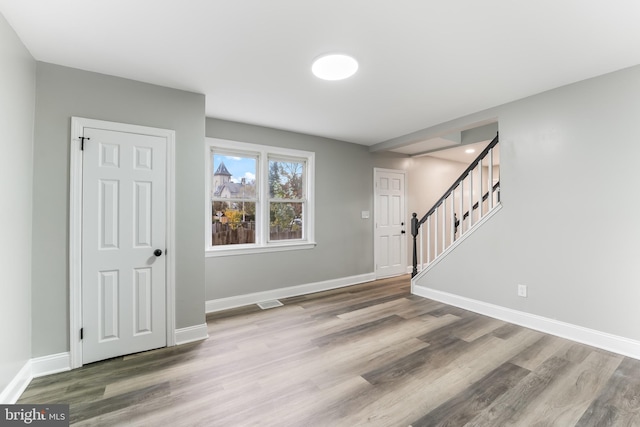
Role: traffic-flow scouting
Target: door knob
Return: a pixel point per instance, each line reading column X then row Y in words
column 157, row 252
column 403, row 232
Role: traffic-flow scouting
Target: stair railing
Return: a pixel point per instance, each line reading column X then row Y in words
column 477, row 190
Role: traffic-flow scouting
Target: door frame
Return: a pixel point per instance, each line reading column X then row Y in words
column 376, row 213
column 75, row 228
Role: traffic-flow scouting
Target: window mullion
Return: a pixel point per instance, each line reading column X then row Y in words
column 264, row 195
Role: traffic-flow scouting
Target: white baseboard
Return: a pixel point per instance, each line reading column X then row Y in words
column 61, row 362
column 52, row 364
column 16, row 387
column 191, row 334
column 34, row 368
column 592, row 337
column 292, row 291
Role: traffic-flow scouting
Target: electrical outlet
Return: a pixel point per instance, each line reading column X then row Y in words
column 522, row 291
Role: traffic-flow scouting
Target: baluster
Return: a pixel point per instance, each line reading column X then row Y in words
column 435, row 233
column 490, row 188
column 461, row 208
column 453, row 216
column 480, row 194
column 421, row 234
column 444, row 225
column 470, row 200
column 428, row 222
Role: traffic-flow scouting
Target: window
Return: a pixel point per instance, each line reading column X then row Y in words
column 286, row 199
column 259, row 198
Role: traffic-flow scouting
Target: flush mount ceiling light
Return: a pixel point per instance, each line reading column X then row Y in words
column 335, row 66
column 469, row 150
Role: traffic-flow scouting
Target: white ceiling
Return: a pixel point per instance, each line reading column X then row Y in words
column 459, row 153
column 422, row 62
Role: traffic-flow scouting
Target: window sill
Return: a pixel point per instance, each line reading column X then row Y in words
column 272, row 247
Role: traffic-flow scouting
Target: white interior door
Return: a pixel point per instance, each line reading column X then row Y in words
column 123, row 224
column 391, row 223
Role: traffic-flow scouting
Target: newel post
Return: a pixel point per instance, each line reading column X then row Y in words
column 414, row 233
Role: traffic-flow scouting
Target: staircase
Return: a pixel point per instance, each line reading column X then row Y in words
column 470, row 200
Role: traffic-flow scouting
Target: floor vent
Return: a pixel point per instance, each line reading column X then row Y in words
column 269, row 304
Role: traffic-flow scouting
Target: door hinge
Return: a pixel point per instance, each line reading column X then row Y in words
column 82, row 138
column 81, row 333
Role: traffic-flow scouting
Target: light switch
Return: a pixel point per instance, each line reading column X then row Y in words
column 365, row 214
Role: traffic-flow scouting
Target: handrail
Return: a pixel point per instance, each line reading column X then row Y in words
column 461, row 178
column 453, row 221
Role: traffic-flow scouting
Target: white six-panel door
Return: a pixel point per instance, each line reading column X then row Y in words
column 123, row 224
column 390, row 223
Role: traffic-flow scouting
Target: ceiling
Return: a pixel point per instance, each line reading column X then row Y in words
column 422, row 62
column 460, row 154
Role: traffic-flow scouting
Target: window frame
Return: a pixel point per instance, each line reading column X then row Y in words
column 263, row 153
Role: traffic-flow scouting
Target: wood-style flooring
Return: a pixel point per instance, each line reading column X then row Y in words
column 370, row 354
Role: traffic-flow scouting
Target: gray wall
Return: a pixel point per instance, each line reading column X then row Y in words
column 568, row 228
column 17, row 104
column 344, row 188
column 65, row 92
